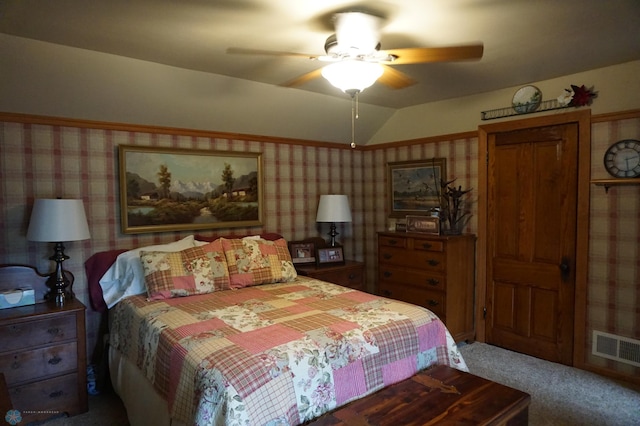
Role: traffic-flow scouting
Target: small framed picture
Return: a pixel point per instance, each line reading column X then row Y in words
column 330, row 255
column 302, row 252
column 423, row 224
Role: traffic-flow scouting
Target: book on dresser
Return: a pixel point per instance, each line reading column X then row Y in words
column 437, row 272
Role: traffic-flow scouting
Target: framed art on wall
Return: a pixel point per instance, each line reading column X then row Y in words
column 170, row 189
column 414, row 186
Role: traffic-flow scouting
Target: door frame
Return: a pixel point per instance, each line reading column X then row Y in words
column 583, row 119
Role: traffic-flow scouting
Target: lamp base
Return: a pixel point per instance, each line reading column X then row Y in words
column 332, row 234
column 58, row 280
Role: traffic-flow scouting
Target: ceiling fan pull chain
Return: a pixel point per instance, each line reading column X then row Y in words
column 354, row 114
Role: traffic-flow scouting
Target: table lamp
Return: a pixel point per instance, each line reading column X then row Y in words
column 333, row 208
column 57, row 221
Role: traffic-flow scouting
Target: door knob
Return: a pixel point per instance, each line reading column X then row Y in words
column 565, row 269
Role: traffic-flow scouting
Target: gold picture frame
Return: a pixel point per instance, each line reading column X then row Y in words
column 414, row 186
column 171, row 189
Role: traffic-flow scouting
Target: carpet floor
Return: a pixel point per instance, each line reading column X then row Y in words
column 560, row 395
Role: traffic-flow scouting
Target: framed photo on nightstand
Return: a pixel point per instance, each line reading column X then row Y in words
column 302, row 252
column 330, row 255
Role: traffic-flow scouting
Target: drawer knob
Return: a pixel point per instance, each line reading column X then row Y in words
column 393, row 242
column 54, row 331
column 387, row 256
column 55, row 360
column 432, row 302
column 352, row 277
column 433, row 281
column 432, row 262
column 427, row 245
column 386, row 293
column 56, row 394
column 387, row 274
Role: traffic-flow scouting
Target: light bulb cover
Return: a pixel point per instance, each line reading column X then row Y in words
column 352, row 75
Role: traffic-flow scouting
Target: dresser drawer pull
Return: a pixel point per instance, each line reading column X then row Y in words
column 387, row 256
column 56, row 394
column 352, row 277
column 387, row 274
column 427, row 245
column 386, row 293
column 54, row 331
column 393, row 242
column 432, row 302
column 433, row 281
column 55, row 360
column 433, row 262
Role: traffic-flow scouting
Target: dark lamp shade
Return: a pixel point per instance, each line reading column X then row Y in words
column 58, row 220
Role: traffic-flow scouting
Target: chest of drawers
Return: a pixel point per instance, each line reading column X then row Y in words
column 351, row 274
column 437, row 272
column 43, row 359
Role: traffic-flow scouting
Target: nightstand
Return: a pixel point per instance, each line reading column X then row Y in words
column 350, row 274
column 43, row 359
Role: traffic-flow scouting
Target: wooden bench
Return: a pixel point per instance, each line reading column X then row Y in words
column 440, row 395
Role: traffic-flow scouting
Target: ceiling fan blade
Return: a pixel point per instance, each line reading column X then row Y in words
column 395, row 79
column 304, row 78
column 418, row 55
column 242, row 51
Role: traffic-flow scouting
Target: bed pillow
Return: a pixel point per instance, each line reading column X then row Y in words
column 258, row 261
column 196, row 270
column 126, row 276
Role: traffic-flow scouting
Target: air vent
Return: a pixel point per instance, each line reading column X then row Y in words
column 614, row 347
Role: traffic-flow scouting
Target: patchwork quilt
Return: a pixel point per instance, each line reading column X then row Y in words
column 276, row 354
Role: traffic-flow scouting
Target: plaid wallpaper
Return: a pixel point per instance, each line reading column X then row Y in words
column 42, row 161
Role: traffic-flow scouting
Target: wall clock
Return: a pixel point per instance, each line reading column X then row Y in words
column 622, row 159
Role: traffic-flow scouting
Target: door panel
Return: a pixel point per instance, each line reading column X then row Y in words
column 532, row 196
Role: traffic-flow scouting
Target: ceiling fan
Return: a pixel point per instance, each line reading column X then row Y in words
column 356, row 61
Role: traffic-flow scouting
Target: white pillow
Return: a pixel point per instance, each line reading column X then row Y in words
column 126, row 276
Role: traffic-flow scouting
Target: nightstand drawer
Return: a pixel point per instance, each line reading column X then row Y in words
column 348, row 278
column 42, row 362
column 41, row 400
column 35, row 333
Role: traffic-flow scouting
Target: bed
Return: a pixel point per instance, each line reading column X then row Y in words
column 224, row 332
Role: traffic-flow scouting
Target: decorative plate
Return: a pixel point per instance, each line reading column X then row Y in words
column 527, row 99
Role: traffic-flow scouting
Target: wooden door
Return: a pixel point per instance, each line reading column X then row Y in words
column 531, row 240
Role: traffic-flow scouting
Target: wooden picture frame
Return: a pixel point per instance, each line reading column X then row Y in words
column 302, row 252
column 414, row 186
column 170, row 189
column 423, row 224
column 330, row 256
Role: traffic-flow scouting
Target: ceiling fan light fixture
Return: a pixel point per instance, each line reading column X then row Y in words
column 352, row 75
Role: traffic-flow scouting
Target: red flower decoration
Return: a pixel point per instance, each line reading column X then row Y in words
column 581, row 96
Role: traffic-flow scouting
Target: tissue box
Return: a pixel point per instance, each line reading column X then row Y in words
column 17, row 297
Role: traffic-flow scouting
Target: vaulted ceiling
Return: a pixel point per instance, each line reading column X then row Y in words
column 523, row 40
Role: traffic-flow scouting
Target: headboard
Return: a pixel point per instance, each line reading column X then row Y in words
column 100, row 262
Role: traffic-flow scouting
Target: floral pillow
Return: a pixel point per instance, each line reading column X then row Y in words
column 196, row 270
column 258, row 261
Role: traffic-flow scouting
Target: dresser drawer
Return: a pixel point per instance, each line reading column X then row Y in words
column 429, row 245
column 430, row 280
column 41, row 362
column 21, row 335
column 413, row 258
column 392, row 241
column 41, row 400
column 432, row 300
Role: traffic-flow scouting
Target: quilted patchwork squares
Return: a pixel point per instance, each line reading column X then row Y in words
column 257, row 261
column 197, row 270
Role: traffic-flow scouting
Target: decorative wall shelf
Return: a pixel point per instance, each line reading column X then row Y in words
column 492, row 114
column 608, row 183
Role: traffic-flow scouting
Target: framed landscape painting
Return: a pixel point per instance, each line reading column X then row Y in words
column 170, row 189
column 414, row 186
